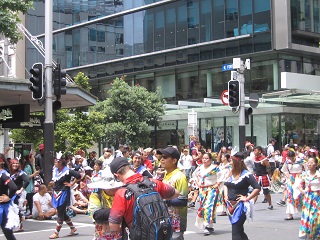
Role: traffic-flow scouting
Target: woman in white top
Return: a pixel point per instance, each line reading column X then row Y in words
column 310, row 220
column 292, row 169
column 208, row 181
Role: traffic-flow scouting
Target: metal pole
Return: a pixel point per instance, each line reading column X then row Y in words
column 48, row 123
column 5, row 74
column 242, row 125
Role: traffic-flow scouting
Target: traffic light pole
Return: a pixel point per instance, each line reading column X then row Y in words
column 48, row 123
column 242, row 125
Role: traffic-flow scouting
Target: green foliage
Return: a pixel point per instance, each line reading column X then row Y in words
column 127, row 113
column 9, row 18
column 82, row 81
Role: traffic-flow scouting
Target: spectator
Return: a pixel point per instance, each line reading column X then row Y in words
column 40, row 161
column 42, row 206
column 186, row 161
column 176, row 179
column 137, row 165
column 122, row 207
column 146, row 162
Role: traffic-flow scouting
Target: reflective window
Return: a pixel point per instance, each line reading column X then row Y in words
column 218, row 19
column 205, row 20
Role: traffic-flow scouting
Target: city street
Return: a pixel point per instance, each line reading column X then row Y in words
column 266, row 225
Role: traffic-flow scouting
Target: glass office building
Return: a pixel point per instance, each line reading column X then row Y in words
column 181, row 46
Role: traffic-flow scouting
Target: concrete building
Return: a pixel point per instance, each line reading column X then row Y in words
column 181, row 46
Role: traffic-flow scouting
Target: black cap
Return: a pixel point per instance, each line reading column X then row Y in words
column 117, row 163
column 173, row 152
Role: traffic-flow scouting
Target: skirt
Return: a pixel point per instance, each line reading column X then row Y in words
column 310, row 217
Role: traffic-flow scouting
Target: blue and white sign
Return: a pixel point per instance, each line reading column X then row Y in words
column 227, row 67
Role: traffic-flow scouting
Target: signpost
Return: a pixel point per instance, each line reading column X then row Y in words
column 192, row 121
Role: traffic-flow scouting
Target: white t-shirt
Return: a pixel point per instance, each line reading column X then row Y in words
column 186, row 161
column 270, row 150
column 43, row 200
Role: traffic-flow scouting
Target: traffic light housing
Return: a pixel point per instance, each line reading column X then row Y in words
column 1, row 50
column 37, row 81
column 234, row 93
column 59, row 82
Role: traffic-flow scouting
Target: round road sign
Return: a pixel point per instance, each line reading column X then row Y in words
column 225, row 97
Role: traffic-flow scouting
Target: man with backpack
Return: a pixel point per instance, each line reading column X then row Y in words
column 138, row 205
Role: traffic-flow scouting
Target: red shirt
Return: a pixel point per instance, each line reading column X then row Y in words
column 122, row 208
column 148, row 164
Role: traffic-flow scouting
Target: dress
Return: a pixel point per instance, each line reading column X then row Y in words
column 310, row 217
column 207, row 177
column 294, row 198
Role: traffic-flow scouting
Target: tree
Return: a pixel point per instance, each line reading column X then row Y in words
column 9, row 10
column 83, row 81
column 127, row 113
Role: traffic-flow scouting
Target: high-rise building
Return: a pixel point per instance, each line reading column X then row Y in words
column 182, row 46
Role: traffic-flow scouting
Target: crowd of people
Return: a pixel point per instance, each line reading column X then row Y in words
column 225, row 183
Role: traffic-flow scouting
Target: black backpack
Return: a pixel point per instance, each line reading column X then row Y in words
column 151, row 219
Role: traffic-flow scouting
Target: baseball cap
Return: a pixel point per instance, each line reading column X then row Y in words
column 117, row 163
column 173, row 152
column 41, row 146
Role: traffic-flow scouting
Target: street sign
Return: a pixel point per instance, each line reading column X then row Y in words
column 253, row 100
column 35, row 122
column 15, row 113
column 225, row 97
column 192, row 118
column 227, row 67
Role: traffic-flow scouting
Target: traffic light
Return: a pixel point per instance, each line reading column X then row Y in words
column 37, row 81
column 59, row 82
column 234, row 93
column 247, row 113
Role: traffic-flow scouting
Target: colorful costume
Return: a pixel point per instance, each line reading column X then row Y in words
column 310, row 218
column 294, row 198
column 206, row 178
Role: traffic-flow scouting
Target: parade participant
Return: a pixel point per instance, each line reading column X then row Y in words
column 208, row 180
column 61, row 176
column 7, row 191
column 137, row 165
column 122, row 207
column 310, row 218
column 21, row 179
column 237, row 197
column 175, row 178
column 262, row 171
column 292, row 168
column 224, row 170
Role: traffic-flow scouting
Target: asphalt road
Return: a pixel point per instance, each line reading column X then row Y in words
column 266, row 225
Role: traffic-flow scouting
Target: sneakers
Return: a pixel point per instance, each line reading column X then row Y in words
column 191, row 205
column 206, row 232
column 211, row 229
column 270, row 207
column 264, row 200
column 281, row 203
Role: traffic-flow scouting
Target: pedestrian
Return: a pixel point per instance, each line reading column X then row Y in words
column 61, row 176
column 208, row 179
column 186, row 161
column 122, row 208
column 239, row 201
column 40, row 161
column 310, row 218
column 175, row 178
column 22, row 180
column 292, row 169
column 7, row 191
